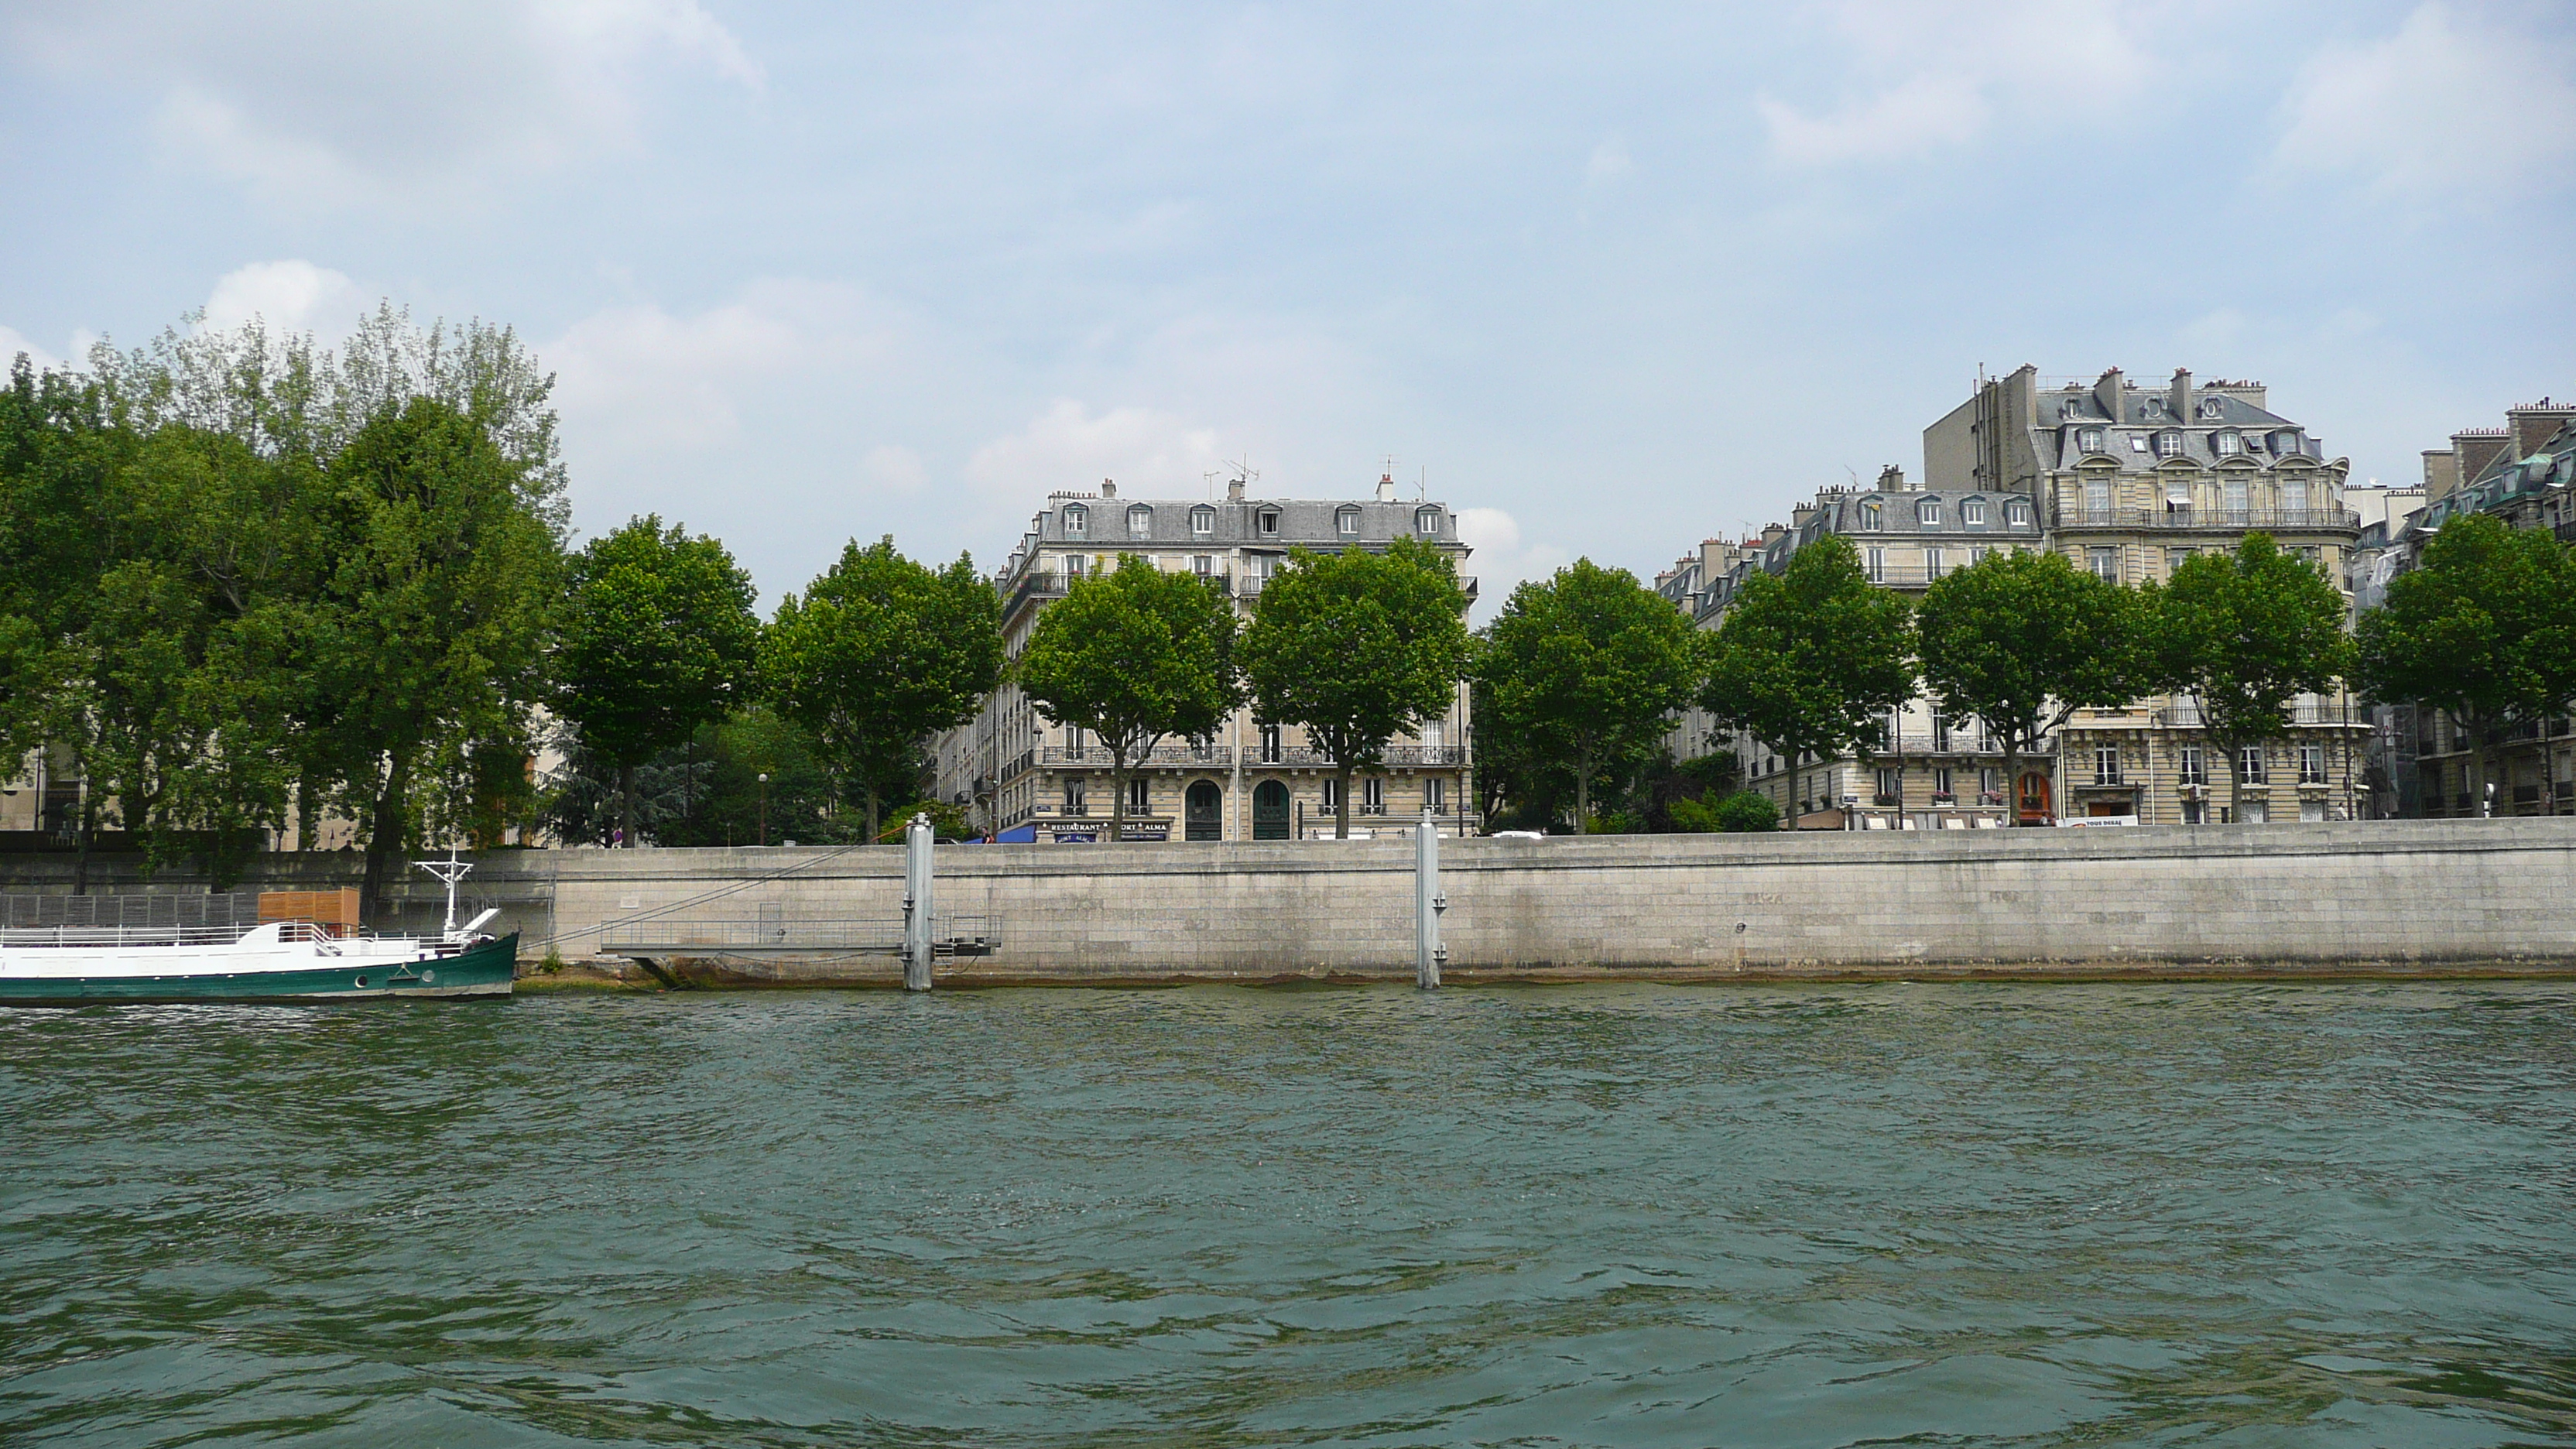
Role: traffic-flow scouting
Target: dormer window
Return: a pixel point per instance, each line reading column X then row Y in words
column 1267, row 520
column 1870, row 522
column 2071, row 408
column 2089, row 440
column 1202, row 521
column 1077, row 520
column 2168, row 444
column 1140, row 521
column 2228, row 445
column 2285, row 443
column 1928, row 513
column 2211, row 407
column 1426, row 521
column 1347, row 522
column 1972, row 512
column 2017, row 513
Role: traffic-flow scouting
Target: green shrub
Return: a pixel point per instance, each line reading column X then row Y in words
column 1693, row 817
column 1745, row 810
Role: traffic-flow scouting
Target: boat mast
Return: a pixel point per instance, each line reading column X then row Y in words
column 450, row 870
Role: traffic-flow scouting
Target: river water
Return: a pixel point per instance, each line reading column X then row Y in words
column 1629, row 1215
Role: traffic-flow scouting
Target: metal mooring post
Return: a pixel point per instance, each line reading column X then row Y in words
column 1428, row 903
column 916, row 904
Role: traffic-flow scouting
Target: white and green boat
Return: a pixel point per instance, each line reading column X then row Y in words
column 294, row 960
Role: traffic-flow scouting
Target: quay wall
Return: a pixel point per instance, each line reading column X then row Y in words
column 2357, row 898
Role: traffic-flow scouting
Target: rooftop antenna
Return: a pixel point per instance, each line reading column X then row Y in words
column 450, row 871
column 1422, row 484
column 1244, row 471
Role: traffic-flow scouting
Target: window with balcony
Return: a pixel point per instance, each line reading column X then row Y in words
column 2232, row 502
column 1270, row 744
column 2249, row 766
column 1077, row 521
column 1140, row 521
column 1932, row 562
column 1073, row 796
column 2312, row 764
column 2097, row 500
column 1890, row 787
column 1373, row 795
column 1940, row 732
column 2177, row 499
column 1332, row 796
column 2106, row 764
column 1203, row 564
column 1990, row 790
column 1941, row 784
column 1347, row 521
column 1875, row 560
column 1435, row 793
column 1972, row 512
column 2294, row 495
column 1140, row 795
column 1073, row 565
column 1076, row 740
column 1202, row 521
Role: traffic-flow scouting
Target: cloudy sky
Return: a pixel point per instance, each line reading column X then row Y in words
column 1612, row 277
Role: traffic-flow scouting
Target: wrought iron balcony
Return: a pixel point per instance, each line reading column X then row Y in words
column 2211, row 520
column 1182, row 757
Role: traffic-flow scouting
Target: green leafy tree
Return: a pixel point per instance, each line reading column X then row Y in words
column 878, row 652
column 1357, row 647
column 2484, row 628
column 1583, row 669
column 1811, row 659
column 659, row 638
column 2021, row 641
column 2243, row 634
column 1134, row 655
column 431, row 629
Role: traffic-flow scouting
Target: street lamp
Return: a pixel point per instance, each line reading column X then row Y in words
column 764, row 807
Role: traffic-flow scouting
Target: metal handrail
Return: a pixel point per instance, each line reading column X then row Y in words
column 2209, row 520
column 123, row 936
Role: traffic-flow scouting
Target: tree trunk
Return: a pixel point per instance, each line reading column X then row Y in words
column 1342, row 804
column 626, row 806
column 308, row 812
column 1583, row 795
column 873, row 806
column 384, row 838
column 2012, row 777
column 1117, row 797
column 2235, row 784
column 88, row 828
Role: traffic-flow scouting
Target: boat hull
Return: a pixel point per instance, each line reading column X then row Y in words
column 483, row 970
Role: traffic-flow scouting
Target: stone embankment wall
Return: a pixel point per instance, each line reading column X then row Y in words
column 2393, row 897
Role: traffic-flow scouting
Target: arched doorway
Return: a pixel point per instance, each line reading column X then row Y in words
column 1270, row 811
column 2034, row 799
column 1205, row 812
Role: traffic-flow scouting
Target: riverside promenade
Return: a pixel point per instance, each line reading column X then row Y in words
column 2360, row 899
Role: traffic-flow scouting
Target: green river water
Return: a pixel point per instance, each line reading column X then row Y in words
column 1619, row 1215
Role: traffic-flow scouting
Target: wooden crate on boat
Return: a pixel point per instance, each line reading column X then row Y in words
column 336, row 909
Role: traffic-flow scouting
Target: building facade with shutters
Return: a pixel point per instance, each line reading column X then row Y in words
column 1022, row 778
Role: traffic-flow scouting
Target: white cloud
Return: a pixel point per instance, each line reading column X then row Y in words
column 1501, row 562
column 324, row 103
column 1149, row 453
column 292, row 295
column 13, row 342
column 1935, row 73
column 894, row 469
column 638, row 380
column 2451, row 104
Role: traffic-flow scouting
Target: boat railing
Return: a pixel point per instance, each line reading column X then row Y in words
column 112, row 937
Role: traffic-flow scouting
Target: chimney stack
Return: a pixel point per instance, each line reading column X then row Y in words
column 2178, row 401
column 1108, row 489
column 1386, row 488
column 1234, row 490
column 1891, row 479
column 1771, row 534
